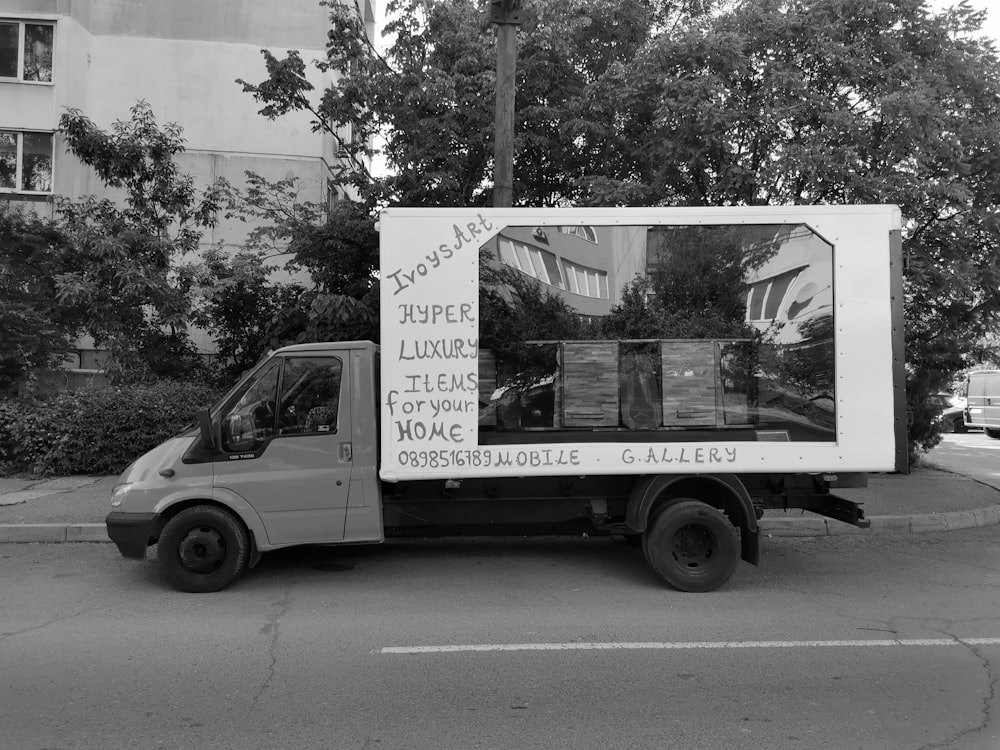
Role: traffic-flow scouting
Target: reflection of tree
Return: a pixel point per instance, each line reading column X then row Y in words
column 695, row 283
column 694, row 287
column 514, row 308
column 8, row 160
column 37, row 173
column 798, row 378
column 641, row 314
column 37, row 53
column 640, row 384
column 807, row 367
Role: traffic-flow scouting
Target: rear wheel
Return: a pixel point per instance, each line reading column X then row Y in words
column 202, row 549
column 990, row 432
column 692, row 546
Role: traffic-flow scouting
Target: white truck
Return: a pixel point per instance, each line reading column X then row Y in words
column 664, row 375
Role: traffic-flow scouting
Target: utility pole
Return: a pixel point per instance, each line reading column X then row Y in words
column 506, row 16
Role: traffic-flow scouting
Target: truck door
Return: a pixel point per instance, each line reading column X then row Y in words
column 990, row 399
column 286, row 447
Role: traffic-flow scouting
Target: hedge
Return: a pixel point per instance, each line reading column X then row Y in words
column 95, row 431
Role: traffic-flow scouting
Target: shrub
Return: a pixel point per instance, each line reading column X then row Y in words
column 95, row 431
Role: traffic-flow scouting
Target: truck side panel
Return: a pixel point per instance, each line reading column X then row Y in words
column 810, row 380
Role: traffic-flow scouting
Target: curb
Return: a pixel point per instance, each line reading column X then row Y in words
column 921, row 523
column 23, row 533
column 811, row 526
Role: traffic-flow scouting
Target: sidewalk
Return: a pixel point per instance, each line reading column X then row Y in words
column 72, row 509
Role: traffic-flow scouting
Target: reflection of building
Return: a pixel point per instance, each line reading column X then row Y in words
column 793, row 286
column 585, row 266
column 775, row 278
column 789, row 269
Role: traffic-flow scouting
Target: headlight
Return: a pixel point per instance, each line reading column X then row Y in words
column 118, row 494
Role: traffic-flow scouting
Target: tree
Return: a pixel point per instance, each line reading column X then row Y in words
column 237, row 303
column 837, row 101
column 124, row 280
column 35, row 331
column 738, row 103
column 514, row 308
column 431, row 96
column 336, row 249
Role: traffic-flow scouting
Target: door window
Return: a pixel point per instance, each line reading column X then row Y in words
column 293, row 396
column 248, row 422
column 310, row 395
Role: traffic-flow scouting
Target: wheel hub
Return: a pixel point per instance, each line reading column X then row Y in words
column 202, row 549
column 692, row 546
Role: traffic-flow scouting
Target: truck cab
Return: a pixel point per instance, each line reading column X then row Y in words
column 287, row 457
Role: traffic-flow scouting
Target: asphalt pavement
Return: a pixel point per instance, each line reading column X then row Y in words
column 73, row 509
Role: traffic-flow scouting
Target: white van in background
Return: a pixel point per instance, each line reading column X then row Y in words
column 983, row 401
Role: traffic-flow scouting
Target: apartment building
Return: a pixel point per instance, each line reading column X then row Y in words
column 182, row 57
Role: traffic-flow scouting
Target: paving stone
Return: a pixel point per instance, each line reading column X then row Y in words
column 33, row 532
column 890, row 524
column 924, row 523
column 797, row 526
column 839, row 528
column 87, row 532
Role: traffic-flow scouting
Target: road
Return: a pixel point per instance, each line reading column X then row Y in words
column 970, row 453
column 860, row 642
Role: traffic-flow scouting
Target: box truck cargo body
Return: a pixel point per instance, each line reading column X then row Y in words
column 664, row 375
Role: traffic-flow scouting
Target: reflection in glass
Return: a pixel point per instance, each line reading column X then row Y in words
column 8, row 160
column 9, row 33
column 657, row 333
column 36, row 173
column 38, row 52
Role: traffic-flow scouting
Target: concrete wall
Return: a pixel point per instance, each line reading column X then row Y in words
column 182, row 57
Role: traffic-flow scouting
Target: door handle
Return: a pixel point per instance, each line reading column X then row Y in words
column 346, row 453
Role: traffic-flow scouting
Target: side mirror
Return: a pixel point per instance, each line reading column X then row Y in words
column 236, row 436
column 205, row 425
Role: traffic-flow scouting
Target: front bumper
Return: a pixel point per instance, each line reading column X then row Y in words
column 133, row 532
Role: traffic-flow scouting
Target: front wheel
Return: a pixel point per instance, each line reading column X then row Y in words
column 202, row 549
column 991, row 433
column 693, row 546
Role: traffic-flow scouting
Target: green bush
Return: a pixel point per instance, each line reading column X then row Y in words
column 95, row 431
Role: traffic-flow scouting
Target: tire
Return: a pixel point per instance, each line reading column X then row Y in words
column 692, row 546
column 992, row 433
column 958, row 425
column 202, row 549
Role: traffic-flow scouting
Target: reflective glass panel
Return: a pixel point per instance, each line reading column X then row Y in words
column 674, row 333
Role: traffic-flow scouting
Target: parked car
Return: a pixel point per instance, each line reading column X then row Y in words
column 983, row 408
column 952, row 411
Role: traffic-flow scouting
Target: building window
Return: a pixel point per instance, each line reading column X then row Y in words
column 581, row 231
column 533, row 261
column 26, row 50
column 765, row 299
column 588, row 282
column 557, row 272
column 25, row 162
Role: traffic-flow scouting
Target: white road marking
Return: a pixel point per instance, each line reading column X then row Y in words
column 685, row 646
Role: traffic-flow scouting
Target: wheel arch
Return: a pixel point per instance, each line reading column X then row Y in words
column 724, row 492
column 227, row 501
